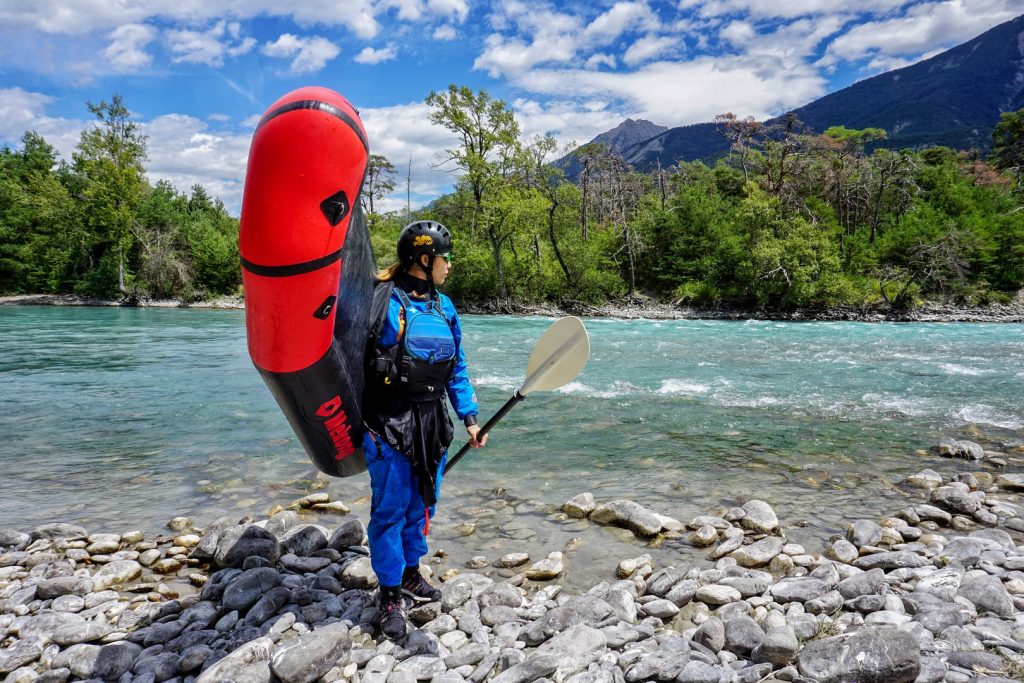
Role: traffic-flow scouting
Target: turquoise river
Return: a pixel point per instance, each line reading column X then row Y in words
column 120, row 419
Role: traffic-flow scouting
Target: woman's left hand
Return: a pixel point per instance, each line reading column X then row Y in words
column 473, row 430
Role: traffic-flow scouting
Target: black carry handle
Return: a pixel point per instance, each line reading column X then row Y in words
column 516, row 398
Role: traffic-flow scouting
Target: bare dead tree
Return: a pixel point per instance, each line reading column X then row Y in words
column 741, row 134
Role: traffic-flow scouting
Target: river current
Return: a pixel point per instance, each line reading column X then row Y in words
column 120, row 419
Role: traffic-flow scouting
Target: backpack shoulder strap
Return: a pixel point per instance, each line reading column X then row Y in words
column 403, row 297
column 379, row 310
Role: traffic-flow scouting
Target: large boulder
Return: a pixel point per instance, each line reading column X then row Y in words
column 351, row 533
column 759, row 553
column 951, row 448
column 248, row 587
column 895, row 559
column 582, row 609
column 988, row 594
column 626, row 513
column 237, row 543
column 759, row 517
column 868, row 655
column 249, row 663
column 305, row 540
column 310, row 656
column 116, row 573
column 956, row 497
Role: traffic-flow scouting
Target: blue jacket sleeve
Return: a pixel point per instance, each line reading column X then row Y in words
column 460, row 391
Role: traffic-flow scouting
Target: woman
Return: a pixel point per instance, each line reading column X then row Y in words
column 415, row 359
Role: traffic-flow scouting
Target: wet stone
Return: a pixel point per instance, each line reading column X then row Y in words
column 628, row 514
column 305, row 540
column 267, row 606
column 304, row 565
column 759, row 517
column 514, row 560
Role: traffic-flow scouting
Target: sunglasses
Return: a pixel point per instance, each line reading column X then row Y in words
column 447, row 257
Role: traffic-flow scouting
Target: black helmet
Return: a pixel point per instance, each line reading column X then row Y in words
column 423, row 237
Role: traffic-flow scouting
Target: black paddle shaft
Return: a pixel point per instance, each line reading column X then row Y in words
column 516, row 398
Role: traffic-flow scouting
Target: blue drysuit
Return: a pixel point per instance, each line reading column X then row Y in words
column 399, row 516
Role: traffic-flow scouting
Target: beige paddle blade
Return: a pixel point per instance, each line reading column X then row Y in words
column 558, row 357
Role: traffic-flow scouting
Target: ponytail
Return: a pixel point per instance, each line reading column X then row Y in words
column 389, row 273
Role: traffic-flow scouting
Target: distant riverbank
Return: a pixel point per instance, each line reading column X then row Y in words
column 634, row 309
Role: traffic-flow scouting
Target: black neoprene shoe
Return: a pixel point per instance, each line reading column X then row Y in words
column 417, row 588
column 392, row 612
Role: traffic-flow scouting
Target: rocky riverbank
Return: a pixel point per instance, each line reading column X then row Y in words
column 934, row 592
column 626, row 309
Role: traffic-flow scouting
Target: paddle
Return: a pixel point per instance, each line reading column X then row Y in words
column 557, row 359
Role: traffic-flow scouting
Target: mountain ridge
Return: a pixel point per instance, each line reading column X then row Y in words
column 952, row 99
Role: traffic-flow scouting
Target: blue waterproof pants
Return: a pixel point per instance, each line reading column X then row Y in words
column 397, row 513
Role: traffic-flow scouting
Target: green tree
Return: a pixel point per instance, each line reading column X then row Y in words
column 1008, row 145
column 380, row 181
column 109, row 161
column 36, row 219
column 488, row 152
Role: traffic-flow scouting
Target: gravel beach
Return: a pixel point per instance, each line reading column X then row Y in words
column 930, row 592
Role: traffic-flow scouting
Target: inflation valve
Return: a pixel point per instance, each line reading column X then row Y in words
column 335, row 207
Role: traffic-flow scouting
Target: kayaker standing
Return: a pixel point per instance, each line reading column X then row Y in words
column 415, row 362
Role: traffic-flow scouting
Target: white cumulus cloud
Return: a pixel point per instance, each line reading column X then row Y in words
column 622, row 17
column 126, row 51
column 648, row 48
column 369, row 55
column 924, row 27
column 445, row 32
column 601, row 59
column 309, row 54
column 209, row 47
column 184, row 151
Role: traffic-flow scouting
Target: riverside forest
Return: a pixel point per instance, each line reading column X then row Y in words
column 790, row 218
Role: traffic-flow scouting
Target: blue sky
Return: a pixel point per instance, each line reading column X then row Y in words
column 198, row 73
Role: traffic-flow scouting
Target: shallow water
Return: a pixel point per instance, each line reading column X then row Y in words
column 123, row 418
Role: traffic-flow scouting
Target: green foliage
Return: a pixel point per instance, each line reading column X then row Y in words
column 1008, row 142
column 790, row 220
column 97, row 227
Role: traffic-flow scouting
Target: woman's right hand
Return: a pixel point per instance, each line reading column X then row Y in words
column 473, row 430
